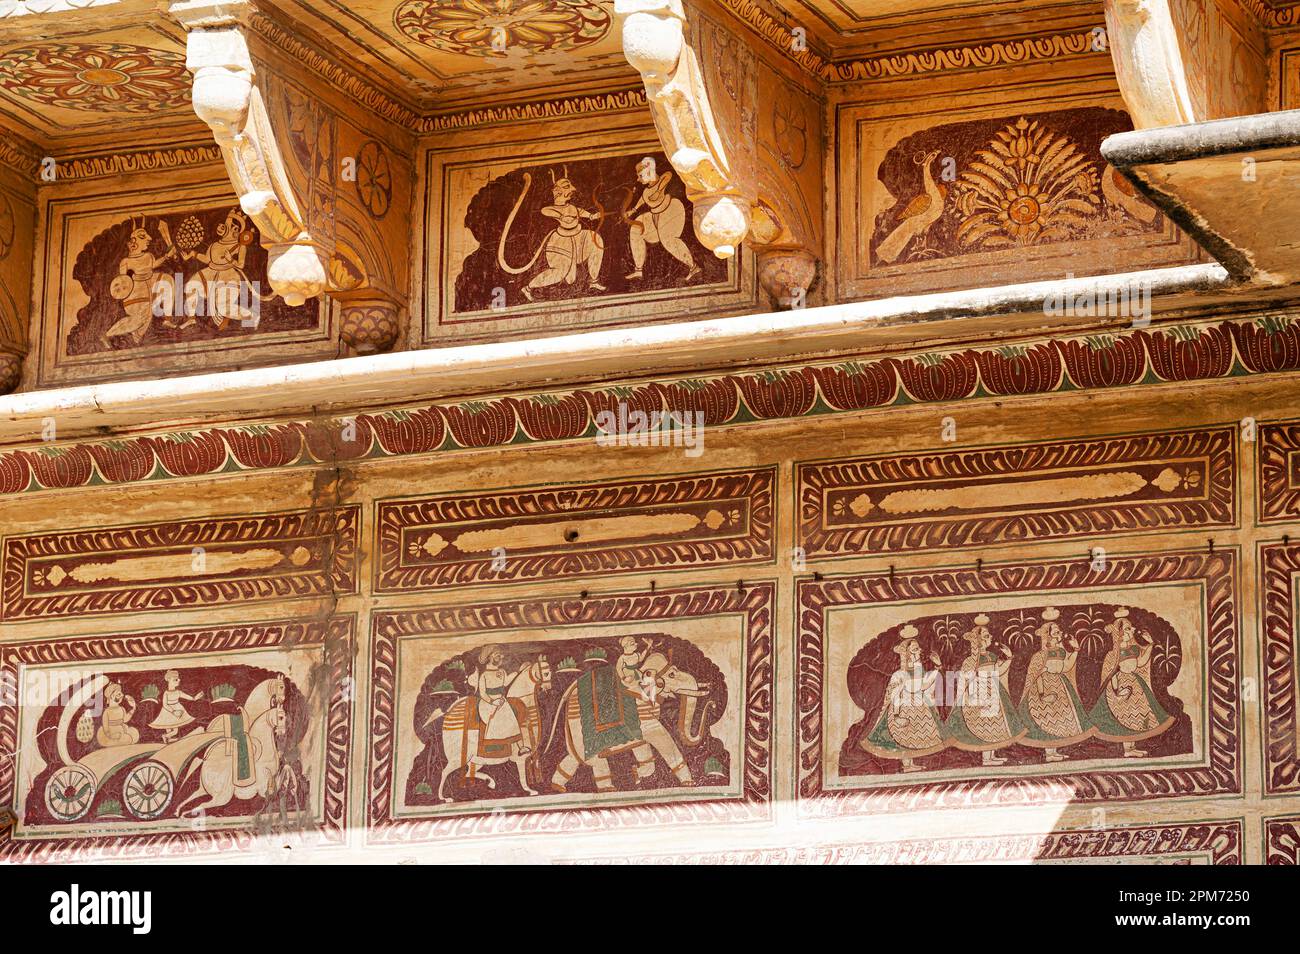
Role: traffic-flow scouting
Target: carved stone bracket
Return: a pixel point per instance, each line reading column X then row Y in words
column 1186, row 61
column 702, row 88
column 303, row 261
column 1149, row 62
column 11, row 371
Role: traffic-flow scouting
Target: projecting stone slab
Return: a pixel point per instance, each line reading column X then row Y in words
column 1229, row 183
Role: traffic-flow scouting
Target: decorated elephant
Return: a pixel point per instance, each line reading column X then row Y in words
column 601, row 716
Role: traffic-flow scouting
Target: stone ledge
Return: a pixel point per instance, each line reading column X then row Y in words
column 1231, row 184
column 939, row 320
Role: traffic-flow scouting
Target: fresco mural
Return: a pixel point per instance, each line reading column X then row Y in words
column 183, row 739
column 580, row 229
column 169, row 744
column 1034, row 685
column 621, row 713
column 191, row 275
column 1005, row 183
column 548, row 705
column 946, row 687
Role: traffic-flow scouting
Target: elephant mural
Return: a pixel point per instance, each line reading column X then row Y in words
column 638, row 711
column 602, row 716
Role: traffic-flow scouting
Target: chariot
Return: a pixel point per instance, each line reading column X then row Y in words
column 154, row 770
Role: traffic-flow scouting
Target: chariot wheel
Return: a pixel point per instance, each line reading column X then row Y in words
column 147, row 790
column 69, row 792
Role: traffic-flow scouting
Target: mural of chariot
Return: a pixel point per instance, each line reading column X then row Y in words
column 143, row 746
column 610, row 714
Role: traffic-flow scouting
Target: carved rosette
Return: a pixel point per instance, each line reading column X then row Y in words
column 303, row 262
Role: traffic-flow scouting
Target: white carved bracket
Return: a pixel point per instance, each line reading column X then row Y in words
column 1179, row 62
column 227, row 97
column 654, row 42
column 702, row 96
column 1148, row 62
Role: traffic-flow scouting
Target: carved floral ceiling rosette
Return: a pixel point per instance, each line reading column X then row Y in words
column 496, row 27
column 114, row 77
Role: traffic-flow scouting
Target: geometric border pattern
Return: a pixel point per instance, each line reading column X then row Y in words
column 1279, row 466
column 748, row 493
column 1282, row 841
column 1220, row 840
column 875, row 532
column 334, row 532
column 1278, row 566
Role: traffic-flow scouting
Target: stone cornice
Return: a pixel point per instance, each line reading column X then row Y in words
column 1047, row 47
column 364, row 92
column 144, row 160
column 18, row 153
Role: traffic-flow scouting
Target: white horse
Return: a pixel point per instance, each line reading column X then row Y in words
column 461, row 729
column 264, row 723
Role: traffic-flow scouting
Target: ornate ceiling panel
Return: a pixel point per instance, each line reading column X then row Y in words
column 440, row 52
column 56, row 85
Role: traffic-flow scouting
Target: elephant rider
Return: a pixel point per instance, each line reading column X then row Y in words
column 500, row 721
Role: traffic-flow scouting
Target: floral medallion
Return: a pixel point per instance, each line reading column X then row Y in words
column 497, row 27
column 1029, row 185
column 108, row 77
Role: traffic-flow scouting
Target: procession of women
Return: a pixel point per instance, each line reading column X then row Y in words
column 1048, row 712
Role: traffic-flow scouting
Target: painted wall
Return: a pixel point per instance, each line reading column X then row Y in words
column 718, row 647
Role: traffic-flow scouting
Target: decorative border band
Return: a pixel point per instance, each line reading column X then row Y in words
column 1011, row 493
column 180, row 564
column 1181, row 353
column 1220, row 840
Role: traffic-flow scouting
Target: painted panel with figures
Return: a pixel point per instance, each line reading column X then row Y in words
column 1085, row 680
column 183, row 740
column 152, row 280
column 624, row 709
column 569, row 236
